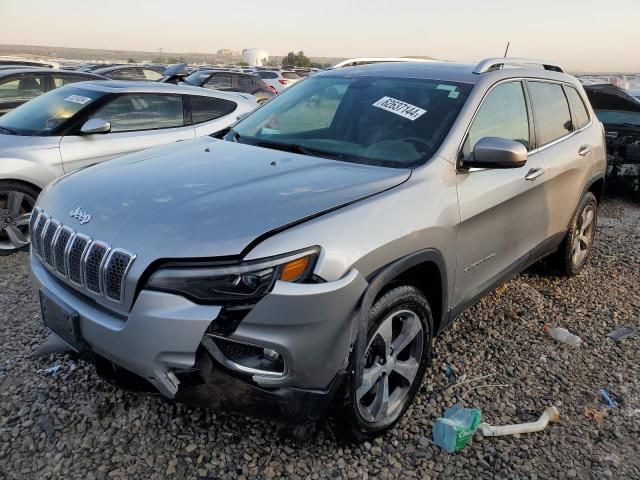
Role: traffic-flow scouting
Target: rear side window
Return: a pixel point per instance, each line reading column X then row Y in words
column 577, row 105
column 551, row 111
column 503, row 114
column 151, row 75
column 245, row 83
column 126, row 74
column 290, row 75
column 62, row 80
column 135, row 112
column 204, row 109
column 268, row 75
column 219, row 81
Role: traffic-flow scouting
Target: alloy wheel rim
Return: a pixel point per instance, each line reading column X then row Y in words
column 583, row 236
column 15, row 212
column 392, row 361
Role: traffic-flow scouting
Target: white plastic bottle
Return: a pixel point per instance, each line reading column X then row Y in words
column 563, row 335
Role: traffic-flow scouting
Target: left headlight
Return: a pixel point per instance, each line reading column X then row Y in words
column 243, row 282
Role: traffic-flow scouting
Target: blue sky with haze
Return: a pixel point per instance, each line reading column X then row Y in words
column 582, row 35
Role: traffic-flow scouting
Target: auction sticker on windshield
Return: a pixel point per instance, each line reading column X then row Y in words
column 399, row 107
column 78, row 99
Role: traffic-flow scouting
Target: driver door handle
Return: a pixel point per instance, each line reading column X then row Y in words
column 534, row 173
column 584, row 150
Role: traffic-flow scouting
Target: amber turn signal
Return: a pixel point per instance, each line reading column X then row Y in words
column 293, row 270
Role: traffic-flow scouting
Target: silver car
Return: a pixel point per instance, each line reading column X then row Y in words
column 81, row 124
column 309, row 256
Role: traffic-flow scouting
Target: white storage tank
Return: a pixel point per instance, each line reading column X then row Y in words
column 255, row 57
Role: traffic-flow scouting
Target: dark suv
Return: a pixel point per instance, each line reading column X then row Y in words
column 232, row 82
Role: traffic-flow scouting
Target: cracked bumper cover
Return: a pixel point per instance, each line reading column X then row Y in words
column 311, row 325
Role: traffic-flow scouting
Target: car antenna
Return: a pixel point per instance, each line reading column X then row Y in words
column 507, row 49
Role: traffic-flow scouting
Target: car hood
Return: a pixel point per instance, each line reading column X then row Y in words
column 20, row 143
column 207, row 197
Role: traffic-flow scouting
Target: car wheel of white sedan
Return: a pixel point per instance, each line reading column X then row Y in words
column 16, row 203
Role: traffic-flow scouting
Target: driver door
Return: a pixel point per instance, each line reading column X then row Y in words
column 138, row 122
column 500, row 209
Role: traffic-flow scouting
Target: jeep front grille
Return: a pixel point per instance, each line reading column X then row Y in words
column 90, row 264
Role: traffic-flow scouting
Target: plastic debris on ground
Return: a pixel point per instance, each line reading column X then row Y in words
column 624, row 332
column 610, row 399
column 550, row 415
column 563, row 335
column 455, row 428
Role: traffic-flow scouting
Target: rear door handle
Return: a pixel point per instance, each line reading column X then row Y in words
column 584, row 150
column 534, row 173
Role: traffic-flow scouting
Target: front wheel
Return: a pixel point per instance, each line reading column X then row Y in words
column 576, row 247
column 395, row 359
column 16, row 203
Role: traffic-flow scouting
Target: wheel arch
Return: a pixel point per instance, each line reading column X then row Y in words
column 426, row 270
column 23, row 182
column 597, row 187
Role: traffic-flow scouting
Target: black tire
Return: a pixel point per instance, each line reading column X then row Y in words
column 348, row 418
column 565, row 260
column 7, row 186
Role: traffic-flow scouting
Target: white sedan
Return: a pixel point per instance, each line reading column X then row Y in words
column 85, row 123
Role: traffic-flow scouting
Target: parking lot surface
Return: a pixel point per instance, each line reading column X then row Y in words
column 68, row 423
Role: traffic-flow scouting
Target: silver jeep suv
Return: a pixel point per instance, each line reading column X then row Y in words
column 309, row 256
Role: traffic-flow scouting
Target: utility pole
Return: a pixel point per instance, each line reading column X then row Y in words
column 507, row 49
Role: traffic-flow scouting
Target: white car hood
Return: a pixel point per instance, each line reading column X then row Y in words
column 21, row 143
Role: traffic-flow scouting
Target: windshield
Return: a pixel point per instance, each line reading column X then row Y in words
column 619, row 118
column 45, row 113
column 395, row 122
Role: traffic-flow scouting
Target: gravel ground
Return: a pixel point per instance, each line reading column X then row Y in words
column 71, row 424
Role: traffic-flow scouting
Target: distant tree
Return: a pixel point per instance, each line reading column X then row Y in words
column 297, row 59
column 242, row 64
column 158, row 60
column 132, row 60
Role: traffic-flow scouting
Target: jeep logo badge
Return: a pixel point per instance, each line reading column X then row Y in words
column 80, row 215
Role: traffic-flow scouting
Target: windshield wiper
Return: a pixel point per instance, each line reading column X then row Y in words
column 8, row 130
column 295, row 148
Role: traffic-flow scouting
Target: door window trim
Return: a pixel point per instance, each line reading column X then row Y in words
column 570, row 134
column 530, row 121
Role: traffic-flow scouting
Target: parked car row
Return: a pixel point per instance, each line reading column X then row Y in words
column 87, row 123
column 306, row 256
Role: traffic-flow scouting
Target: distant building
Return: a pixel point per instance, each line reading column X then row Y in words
column 255, row 57
column 226, row 51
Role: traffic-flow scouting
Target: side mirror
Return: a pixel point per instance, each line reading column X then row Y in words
column 494, row 152
column 96, row 125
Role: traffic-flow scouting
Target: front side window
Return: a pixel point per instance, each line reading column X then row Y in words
column 551, row 111
column 43, row 115
column 219, row 81
column 577, row 105
column 503, row 114
column 134, row 112
column 204, row 109
column 19, row 90
column 395, row 122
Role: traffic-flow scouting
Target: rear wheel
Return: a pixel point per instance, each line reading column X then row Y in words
column 16, row 204
column 576, row 247
column 397, row 354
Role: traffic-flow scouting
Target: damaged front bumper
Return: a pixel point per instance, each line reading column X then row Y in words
column 309, row 327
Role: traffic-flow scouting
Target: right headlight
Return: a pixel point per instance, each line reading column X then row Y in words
column 242, row 282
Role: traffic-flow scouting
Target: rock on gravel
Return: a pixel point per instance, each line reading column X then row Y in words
column 70, row 424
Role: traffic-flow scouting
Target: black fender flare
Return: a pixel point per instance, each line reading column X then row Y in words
column 377, row 283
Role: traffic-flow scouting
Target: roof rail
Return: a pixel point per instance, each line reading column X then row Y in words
column 489, row 64
column 350, row 62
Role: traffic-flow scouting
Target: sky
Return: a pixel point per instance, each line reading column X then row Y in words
column 580, row 35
